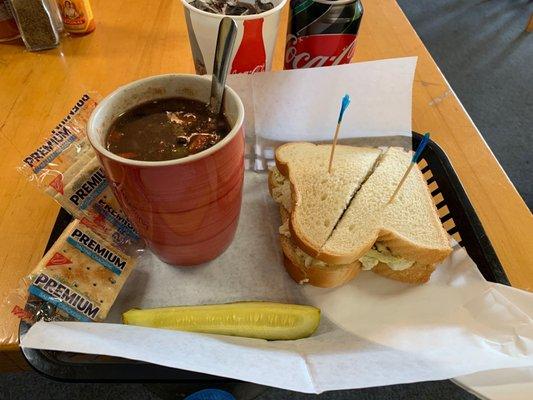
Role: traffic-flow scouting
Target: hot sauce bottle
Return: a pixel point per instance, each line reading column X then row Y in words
column 77, row 16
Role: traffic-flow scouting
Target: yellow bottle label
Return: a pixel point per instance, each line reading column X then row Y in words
column 77, row 14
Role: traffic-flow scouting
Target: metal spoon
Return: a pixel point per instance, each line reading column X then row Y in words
column 227, row 31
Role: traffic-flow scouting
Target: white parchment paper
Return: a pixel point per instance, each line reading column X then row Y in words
column 304, row 104
column 373, row 331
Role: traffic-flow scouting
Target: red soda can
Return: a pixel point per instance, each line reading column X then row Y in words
column 321, row 32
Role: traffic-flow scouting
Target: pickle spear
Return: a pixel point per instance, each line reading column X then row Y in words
column 254, row 319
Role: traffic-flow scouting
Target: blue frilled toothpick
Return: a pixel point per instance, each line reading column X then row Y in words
column 344, row 105
column 414, row 160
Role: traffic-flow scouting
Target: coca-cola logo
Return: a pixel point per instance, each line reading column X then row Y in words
column 318, row 50
column 250, row 56
column 258, row 68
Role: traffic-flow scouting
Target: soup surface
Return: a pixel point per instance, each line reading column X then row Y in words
column 166, row 129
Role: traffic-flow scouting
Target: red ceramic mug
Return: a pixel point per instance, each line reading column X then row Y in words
column 187, row 209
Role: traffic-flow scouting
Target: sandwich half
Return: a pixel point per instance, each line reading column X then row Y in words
column 311, row 202
column 401, row 240
column 318, row 199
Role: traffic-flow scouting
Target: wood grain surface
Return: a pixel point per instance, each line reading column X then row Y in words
column 139, row 38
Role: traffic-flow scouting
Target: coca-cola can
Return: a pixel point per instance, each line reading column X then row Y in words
column 321, row 32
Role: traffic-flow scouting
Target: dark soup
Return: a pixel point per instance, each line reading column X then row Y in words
column 166, row 129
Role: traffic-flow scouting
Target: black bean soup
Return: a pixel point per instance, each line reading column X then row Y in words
column 166, row 129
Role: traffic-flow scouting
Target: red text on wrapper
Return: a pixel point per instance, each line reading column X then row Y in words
column 21, row 313
column 58, row 259
column 57, row 184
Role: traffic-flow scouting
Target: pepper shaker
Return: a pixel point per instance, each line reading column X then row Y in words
column 35, row 23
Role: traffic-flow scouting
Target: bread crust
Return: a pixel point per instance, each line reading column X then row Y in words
column 296, row 235
column 326, row 277
column 333, row 276
column 329, row 277
column 397, row 244
column 417, row 274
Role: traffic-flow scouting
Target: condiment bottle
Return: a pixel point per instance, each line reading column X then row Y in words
column 77, row 16
column 35, row 24
column 8, row 26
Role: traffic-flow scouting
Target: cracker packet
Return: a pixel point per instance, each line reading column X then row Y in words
column 18, row 304
column 82, row 274
column 66, row 168
column 78, row 279
column 62, row 147
column 86, row 193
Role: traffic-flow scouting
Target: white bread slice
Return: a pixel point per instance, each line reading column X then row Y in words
column 319, row 198
column 304, row 269
column 409, row 227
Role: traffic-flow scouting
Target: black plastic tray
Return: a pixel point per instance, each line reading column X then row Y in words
column 456, row 213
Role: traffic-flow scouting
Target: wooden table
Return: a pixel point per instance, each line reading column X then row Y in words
column 139, row 38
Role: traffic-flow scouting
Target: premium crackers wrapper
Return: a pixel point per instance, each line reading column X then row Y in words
column 81, row 274
column 66, row 168
column 62, row 147
column 88, row 193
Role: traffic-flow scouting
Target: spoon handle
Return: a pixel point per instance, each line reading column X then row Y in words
column 227, row 30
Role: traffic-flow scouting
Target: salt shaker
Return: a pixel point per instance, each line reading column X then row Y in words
column 36, row 24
